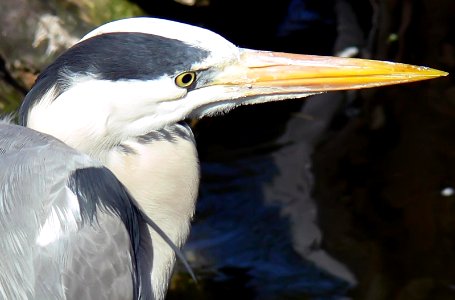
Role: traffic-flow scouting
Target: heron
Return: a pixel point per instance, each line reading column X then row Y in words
column 103, row 150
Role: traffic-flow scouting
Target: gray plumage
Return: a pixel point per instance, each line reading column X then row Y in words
column 65, row 234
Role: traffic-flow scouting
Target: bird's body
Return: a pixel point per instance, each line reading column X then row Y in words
column 66, row 220
column 121, row 94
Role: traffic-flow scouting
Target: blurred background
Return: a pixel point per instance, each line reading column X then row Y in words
column 347, row 195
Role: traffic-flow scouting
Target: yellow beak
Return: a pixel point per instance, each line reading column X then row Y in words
column 283, row 73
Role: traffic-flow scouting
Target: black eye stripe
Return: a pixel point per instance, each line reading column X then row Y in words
column 116, row 56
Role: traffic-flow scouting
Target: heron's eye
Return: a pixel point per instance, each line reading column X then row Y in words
column 185, row 79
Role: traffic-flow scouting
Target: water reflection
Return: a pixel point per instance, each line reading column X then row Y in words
column 239, row 231
column 256, row 226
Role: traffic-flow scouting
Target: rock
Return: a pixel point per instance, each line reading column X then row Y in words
column 34, row 33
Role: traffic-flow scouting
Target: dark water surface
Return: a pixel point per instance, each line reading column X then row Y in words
column 328, row 209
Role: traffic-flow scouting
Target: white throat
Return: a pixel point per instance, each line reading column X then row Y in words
column 163, row 176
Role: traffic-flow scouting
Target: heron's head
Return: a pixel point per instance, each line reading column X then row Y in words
column 132, row 76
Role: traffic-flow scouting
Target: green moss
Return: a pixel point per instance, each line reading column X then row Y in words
column 102, row 11
column 10, row 98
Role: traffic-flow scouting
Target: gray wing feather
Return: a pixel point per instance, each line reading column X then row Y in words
column 100, row 266
column 47, row 251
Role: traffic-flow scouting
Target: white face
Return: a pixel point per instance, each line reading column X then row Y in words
column 92, row 108
column 179, row 103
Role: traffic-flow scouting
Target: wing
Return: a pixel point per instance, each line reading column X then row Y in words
column 68, row 228
column 121, row 232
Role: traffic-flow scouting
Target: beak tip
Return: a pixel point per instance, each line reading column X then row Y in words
column 435, row 73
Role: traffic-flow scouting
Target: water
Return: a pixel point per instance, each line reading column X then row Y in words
column 255, row 229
